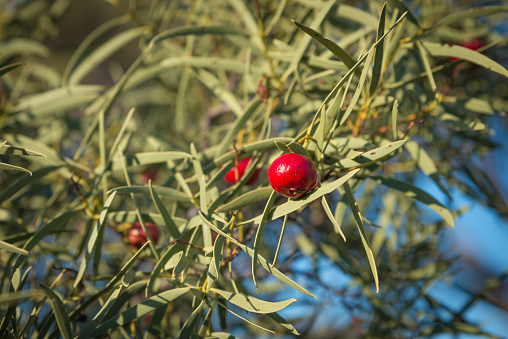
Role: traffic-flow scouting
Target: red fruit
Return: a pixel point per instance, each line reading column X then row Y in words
column 292, row 175
column 230, row 176
column 149, row 173
column 137, row 237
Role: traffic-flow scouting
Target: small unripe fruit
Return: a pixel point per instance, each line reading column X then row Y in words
column 231, row 178
column 292, row 175
column 137, row 237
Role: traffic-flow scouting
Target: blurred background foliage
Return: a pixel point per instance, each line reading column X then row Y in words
column 119, row 111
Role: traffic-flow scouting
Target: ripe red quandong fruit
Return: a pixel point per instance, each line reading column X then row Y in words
column 137, row 237
column 292, row 175
column 231, row 178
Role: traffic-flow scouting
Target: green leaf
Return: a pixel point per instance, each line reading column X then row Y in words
column 283, row 322
column 96, row 321
column 251, row 304
column 139, row 310
column 8, row 68
column 46, row 229
column 403, row 9
column 19, row 151
column 8, row 167
column 378, row 57
column 93, row 239
column 246, row 199
column 330, row 45
column 11, row 248
column 359, row 88
column 455, row 51
column 471, row 13
column 428, row 70
column 239, row 123
column 294, row 205
column 395, row 113
column 245, row 319
column 167, row 192
column 25, row 180
column 218, row 248
column 56, row 100
column 368, row 157
column 189, row 329
column 346, row 77
column 168, row 220
column 417, row 194
column 363, row 234
column 262, row 261
column 103, row 52
column 145, row 158
column 424, row 162
column 220, row 335
column 112, row 283
column 61, row 315
column 304, row 42
column 198, row 30
column 259, row 234
column 86, row 45
column 261, row 146
column 332, row 217
column 298, row 149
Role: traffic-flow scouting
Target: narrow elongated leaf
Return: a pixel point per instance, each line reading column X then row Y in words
column 11, row 248
column 189, row 329
column 294, row 205
column 19, row 151
column 110, row 285
column 298, row 149
column 359, row 88
column 424, row 162
column 330, row 45
column 246, row 199
column 146, row 158
column 139, row 310
column 363, row 234
column 96, row 321
column 8, row 167
column 304, row 42
column 366, row 158
column 197, row 30
column 378, row 57
column 168, row 220
column 46, row 229
column 8, row 68
column 262, row 261
column 61, row 315
column 93, row 239
column 403, row 9
column 395, row 113
column 471, row 13
column 251, row 304
column 455, row 51
column 239, row 123
column 167, row 192
column 25, row 180
column 332, row 217
column 417, row 194
column 214, row 267
column 428, row 70
column 84, row 48
column 245, row 319
column 258, row 238
column 100, row 54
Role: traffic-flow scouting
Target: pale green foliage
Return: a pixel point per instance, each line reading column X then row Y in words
column 188, row 88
